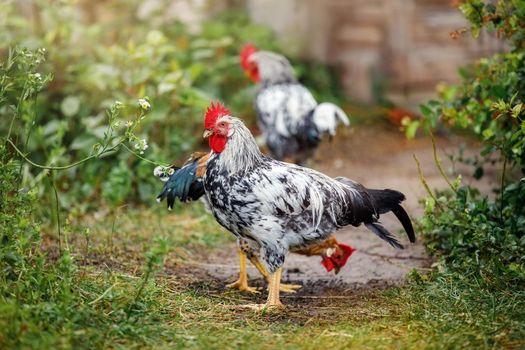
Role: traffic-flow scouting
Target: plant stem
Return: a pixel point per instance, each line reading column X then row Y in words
column 112, row 232
column 140, row 157
column 57, row 208
column 145, row 280
column 502, row 186
column 105, row 151
column 424, row 182
column 29, row 129
column 438, row 163
column 17, row 110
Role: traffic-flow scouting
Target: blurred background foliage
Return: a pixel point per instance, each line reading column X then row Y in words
column 90, row 60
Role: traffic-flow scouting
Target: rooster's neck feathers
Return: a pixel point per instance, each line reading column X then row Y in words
column 241, row 151
column 274, row 68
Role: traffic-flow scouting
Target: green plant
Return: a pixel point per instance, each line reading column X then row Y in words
column 488, row 103
column 479, row 240
column 40, row 295
column 478, row 236
column 96, row 59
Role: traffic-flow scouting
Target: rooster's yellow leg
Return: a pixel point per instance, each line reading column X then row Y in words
column 273, row 290
column 273, row 303
column 285, row 288
column 242, row 283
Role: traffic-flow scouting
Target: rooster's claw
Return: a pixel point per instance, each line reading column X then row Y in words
column 242, row 286
column 289, row 288
column 263, row 307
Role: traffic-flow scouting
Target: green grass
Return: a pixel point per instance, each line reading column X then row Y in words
column 109, row 303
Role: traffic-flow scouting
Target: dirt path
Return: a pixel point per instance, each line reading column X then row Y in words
column 378, row 157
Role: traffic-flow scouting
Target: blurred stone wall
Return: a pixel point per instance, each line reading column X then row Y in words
column 399, row 48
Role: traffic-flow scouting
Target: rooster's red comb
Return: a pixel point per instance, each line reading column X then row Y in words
column 213, row 113
column 246, row 52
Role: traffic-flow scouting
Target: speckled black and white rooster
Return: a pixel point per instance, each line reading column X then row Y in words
column 290, row 119
column 186, row 184
column 274, row 207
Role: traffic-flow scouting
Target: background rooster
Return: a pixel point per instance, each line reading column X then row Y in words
column 274, row 207
column 290, row 119
column 186, row 184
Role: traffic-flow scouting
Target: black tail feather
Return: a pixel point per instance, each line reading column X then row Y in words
column 182, row 184
column 389, row 200
column 376, row 202
column 385, row 200
column 382, row 233
column 162, row 195
column 402, row 216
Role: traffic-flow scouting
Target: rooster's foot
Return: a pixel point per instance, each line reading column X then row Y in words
column 276, row 307
column 242, row 286
column 289, row 288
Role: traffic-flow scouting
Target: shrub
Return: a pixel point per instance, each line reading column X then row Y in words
column 44, row 302
column 470, row 231
column 93, row 60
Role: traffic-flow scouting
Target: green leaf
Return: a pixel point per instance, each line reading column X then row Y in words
column 165, row 87
column 516, row 110
column 474, row 31
column 411, row 129
column 82, row 142
column 488, row 133
column 425, row 110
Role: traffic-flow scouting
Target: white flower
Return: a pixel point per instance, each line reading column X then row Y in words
column 144, row 104
column 37, row 76
column 163, row 173
column 129, row 123
column 159, row 171
column 141, row 145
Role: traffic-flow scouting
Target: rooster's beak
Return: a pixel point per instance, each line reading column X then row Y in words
column 207, row 133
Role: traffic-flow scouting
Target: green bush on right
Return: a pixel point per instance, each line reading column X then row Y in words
column 469, row 231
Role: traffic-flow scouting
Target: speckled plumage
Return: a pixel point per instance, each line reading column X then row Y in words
column 274, row 207
column 292, row 122
column 186, row 184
